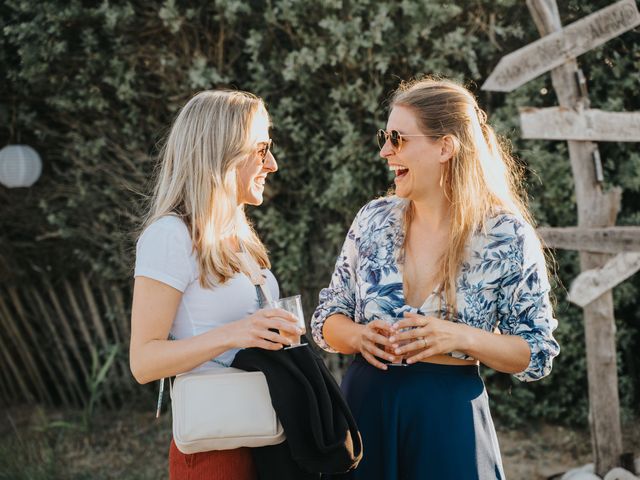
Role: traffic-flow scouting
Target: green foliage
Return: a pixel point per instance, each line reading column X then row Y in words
column 94, row 89
column 95, row 384
column 96, row 380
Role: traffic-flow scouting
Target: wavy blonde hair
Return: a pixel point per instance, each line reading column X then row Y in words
column 480, row 179
column 196, row 180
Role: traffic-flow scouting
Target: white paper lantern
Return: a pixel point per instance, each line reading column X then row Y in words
column 20, row 166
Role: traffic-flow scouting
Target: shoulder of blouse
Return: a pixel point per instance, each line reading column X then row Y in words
column 378, row 209
column 169, row 222
column 505, row 224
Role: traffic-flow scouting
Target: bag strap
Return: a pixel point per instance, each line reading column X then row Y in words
column 256, row 277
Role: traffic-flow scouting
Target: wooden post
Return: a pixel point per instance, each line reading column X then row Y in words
column 560, row 44
column 596, row 209
column 603, row 240
column 591, row 284
column 557, row 123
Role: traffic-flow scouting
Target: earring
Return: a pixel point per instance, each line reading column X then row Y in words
column 441, row 175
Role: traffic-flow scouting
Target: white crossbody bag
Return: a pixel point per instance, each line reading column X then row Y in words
column 221, row 409
column 225, row 408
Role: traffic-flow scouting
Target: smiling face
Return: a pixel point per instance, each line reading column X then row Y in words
column 251, row 174
column 418, row 163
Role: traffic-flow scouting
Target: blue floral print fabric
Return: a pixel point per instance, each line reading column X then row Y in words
column 502, row 284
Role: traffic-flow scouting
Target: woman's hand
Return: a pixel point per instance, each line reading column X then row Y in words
column 254, row 330
column 426, row 336
column 372, row 339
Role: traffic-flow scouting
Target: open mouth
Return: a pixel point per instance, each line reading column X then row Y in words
column 399, row 171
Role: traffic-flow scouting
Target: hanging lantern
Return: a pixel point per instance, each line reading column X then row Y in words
column 20, row 166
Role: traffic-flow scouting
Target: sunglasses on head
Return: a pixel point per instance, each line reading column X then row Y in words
column 396, row 138
column 264, row 149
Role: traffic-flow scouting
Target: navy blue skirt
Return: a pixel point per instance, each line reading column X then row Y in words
column 422, row 422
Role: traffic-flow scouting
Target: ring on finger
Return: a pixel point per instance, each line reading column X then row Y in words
column 424, row 342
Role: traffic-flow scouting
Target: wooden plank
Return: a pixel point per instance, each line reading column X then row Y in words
column 591, row 284
column 94, row 314
column 71, row 380
column 603, row 240
column 97, row 321
column 121, row 311
column 121, row 361
column 109, row 313
column 66, row 328
column 84, row 330
column 17, row 371
column 8, row 395
column 122, row 324
column 554, row 49
column 558, row 123
column 596, row 209
column 27, row 362
column 40, row 355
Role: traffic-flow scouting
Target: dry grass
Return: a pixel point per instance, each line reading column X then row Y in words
column 542, row 451
column 38, row 444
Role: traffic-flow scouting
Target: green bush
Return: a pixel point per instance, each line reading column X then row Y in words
column 94, row 89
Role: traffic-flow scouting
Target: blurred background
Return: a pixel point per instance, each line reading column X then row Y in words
column 93, row 88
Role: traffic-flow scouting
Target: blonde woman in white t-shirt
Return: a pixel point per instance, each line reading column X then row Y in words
column 192, row 282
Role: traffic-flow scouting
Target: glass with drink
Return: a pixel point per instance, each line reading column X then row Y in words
column 292, row 305
column 388, row 348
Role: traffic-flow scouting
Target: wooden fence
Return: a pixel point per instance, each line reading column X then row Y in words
column 53, row 335
column 53, row 330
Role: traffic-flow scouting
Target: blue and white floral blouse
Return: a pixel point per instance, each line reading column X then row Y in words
column 502, row 284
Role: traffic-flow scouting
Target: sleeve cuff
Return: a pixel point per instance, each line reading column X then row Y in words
column 317, row 324
column 540, row 361
column 179, row 285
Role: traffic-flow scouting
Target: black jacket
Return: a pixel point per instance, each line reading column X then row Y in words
column 322, row 436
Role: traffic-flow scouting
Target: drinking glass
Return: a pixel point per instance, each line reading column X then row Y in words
column 292, row 305
column 389, row 349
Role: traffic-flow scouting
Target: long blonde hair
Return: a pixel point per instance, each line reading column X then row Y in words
column 196, row 180
column 480, row 179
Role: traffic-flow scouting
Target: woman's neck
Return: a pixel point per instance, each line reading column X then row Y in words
column 431, row 213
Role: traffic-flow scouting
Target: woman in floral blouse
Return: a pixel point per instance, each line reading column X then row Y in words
column 444, row 275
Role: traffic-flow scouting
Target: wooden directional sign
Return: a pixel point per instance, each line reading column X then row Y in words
column 603, row 240
column 553, row 50
column 558, row 123
column 591, row 284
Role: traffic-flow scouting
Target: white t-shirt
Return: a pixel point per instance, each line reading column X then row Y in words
column 164, row 252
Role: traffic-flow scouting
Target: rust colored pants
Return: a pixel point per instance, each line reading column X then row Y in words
column 215, row 465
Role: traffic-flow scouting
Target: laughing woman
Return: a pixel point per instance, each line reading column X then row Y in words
column 444, row 275
column 193, row 281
